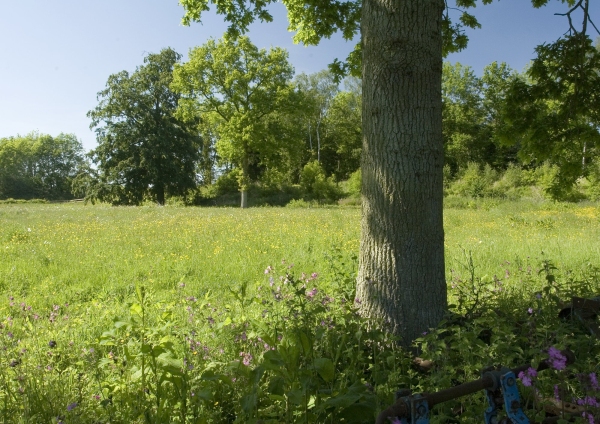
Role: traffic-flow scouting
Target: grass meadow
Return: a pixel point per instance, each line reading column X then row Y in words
column 208, row 315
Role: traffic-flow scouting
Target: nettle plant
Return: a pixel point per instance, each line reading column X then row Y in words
column 290, row 352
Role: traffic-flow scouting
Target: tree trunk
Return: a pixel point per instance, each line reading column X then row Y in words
column 160, row 194
column 244, row 181
column 401, row 272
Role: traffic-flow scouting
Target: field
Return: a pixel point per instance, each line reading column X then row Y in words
column 170, row 277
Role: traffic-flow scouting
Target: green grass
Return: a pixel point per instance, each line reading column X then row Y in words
column 148, row 314
column 75, row 252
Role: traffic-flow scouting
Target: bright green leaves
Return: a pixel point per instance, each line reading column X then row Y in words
column 232, row 87
column 39, row 166
column 314, row 20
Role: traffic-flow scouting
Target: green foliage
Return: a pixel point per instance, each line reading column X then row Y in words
column 143, row 149
column 474, row 181
column 186, row 331
column 557, row 119
column 316, row 186
column 39, row 166
column 235, row 87
column 354, row 184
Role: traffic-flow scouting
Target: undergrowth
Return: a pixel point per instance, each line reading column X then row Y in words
column 289, row 348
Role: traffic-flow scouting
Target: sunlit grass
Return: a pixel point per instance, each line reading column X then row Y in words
column 72, row 338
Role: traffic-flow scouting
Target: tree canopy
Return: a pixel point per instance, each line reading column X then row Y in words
column 39, row 166
column 235, row 86
column 143, row 148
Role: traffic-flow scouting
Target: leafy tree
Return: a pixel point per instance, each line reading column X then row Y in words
column 463, row 117
column 496, row 80
column 344, row 133
column 402, row 242
column 39, row 166
column 319, row 90
column 143, row 148
column 235, row 86
column 554, row 113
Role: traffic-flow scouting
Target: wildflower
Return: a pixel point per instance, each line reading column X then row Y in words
column 313, row 276
column 52, row 343
column 71, row 406
column 247, row 357
column 97, row 397
column 588, row 400
column 589, row 417
column 530, row 311
column 9, row 335
column 14, row 363
column 55, row 307
column 556, row 393
column 556, row 360
column 312, row 293
column 527, row 376
column 357, row 301
column 594, row 381
column 538, row 295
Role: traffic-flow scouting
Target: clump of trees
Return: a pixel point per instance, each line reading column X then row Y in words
column 39, row 166
column 233, row 119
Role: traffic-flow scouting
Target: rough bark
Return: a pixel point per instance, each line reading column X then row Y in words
column 401, row 273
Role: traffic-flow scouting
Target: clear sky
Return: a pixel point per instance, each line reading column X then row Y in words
column 55, row 55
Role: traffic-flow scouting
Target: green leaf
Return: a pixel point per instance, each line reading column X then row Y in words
column 136, row 309
column 325, row 368
column 277, row 386
column 305, row 342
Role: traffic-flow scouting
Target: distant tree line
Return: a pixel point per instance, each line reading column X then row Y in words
column 39, row 166
column 235, row 119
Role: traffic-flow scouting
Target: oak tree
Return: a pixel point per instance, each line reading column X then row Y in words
column 401, row 265
column 143, row 150
column 235, row 86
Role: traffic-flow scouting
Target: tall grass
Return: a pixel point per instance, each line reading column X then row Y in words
column 197, row 315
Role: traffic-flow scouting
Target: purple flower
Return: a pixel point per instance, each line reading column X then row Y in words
column 594, row 381
column 588, row 400
column 589, row 416
column 395, row 420
column 556, row 359
column 312, row 293
column 527, row 376
column 72, row 406
column 530, row 311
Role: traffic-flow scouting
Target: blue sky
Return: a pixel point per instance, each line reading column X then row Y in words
column 57, row 54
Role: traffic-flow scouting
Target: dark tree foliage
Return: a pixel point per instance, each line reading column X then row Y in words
column 143, row 151
column 555, row 112
column 39, row 166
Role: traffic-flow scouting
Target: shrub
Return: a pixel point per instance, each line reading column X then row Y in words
column 475, row 182
column 316, row 186
column 354, row 184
